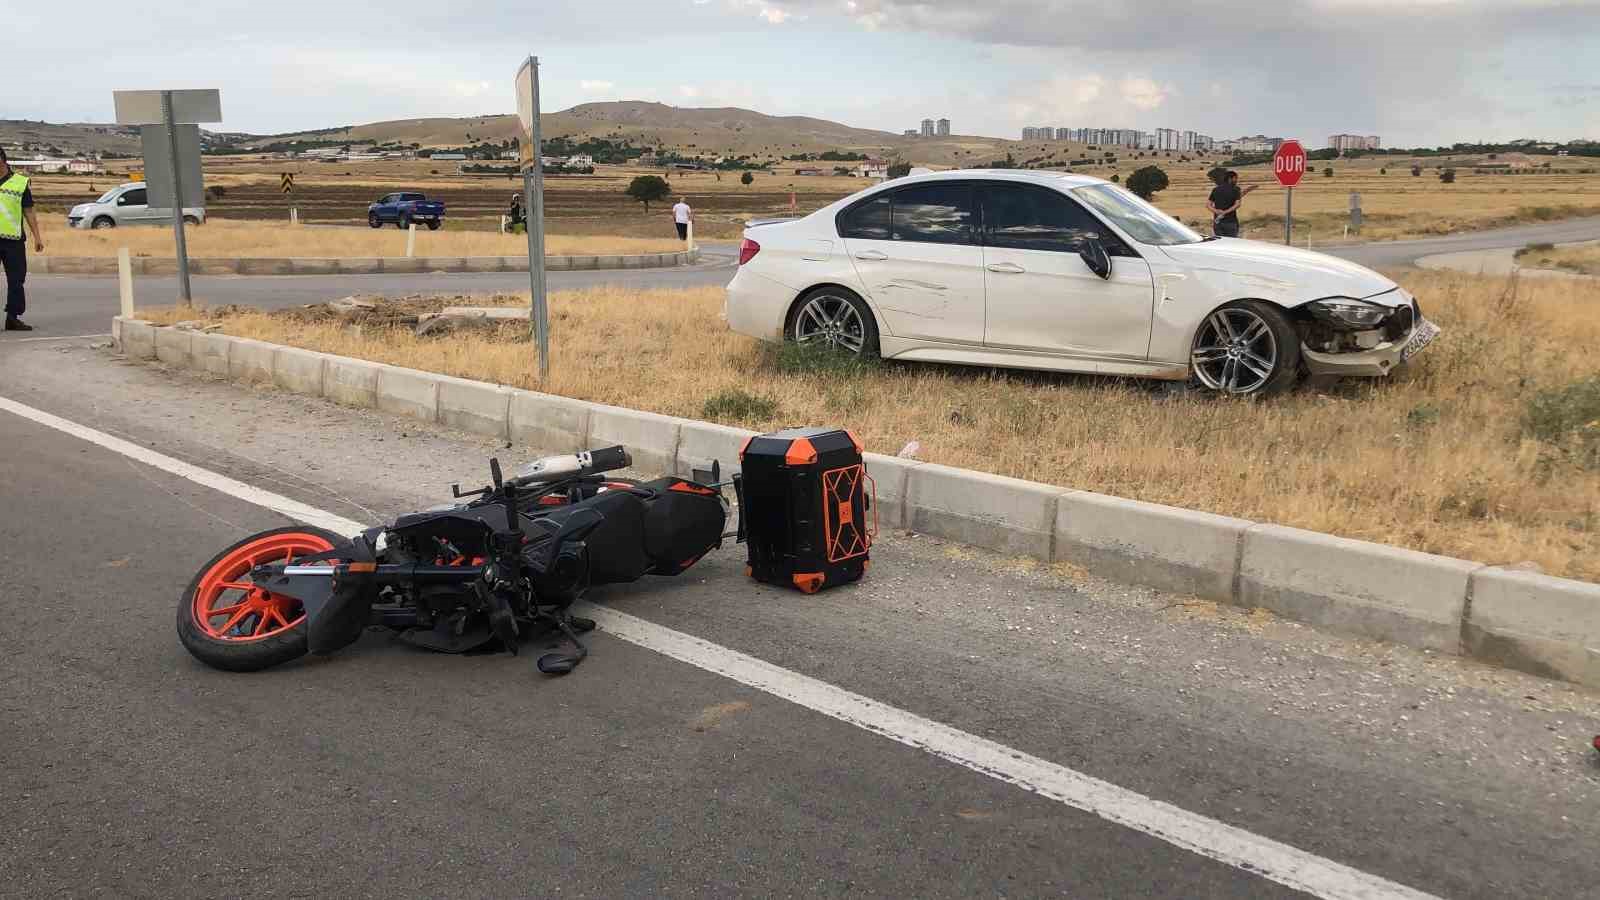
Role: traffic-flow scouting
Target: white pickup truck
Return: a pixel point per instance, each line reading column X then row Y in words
column 126, row 205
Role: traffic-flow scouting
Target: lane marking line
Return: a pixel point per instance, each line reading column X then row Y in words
column 70, row 337
column 1244, row 850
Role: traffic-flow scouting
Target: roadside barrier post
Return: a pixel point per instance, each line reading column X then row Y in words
column 691, row 235
column 125, row 281
column 411, row 241
column 294, row 215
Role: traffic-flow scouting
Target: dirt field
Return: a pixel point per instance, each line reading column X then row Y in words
column 1395, row 203
column 1499, row 415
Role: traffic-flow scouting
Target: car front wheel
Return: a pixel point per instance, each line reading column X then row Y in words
column 374, row 221
column 103, row 222
column 1246, row 348
column 837, row 317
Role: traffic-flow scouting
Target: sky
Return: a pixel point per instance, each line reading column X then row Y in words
column 1415, row 72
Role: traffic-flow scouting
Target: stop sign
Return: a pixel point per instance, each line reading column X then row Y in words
column 1289, row 163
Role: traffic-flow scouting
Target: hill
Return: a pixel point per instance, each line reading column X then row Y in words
column 719, row 131
column 690, row 131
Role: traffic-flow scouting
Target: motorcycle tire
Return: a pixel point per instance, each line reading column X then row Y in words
column 228, row 624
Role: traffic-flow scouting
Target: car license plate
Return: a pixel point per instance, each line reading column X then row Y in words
column 1420, row 338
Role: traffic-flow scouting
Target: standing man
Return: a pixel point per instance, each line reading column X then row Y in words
column 1224, row 204
column 16, row 205
column 682, row 215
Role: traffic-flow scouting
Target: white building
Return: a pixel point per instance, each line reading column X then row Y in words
column 944, row 128
column 580, row 161
column 927, row 127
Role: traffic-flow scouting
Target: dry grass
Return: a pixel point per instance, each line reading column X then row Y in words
column 1581, row 258
column 1435, row 458
column 219, row 238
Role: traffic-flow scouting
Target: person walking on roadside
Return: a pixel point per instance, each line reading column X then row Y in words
column 1224, row 204
column 16, row 206
column 682, row 215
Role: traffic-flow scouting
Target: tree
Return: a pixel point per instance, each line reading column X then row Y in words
column 1115, row 178
column 899, row 169
column 647, row 188
column 1383, row 171
column 1146, row 182
column 1415, row 171
column 1448, row 176
column 1327, row 171
column 746, row 178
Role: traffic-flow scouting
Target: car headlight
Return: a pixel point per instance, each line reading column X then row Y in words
column 1349, row 313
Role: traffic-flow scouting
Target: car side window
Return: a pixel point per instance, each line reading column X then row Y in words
column 1024, row 217
column 939, row 213
column 410, row 197
column 135, row 197
column 868, row 221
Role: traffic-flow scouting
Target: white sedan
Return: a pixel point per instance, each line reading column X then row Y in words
column 1068, row 273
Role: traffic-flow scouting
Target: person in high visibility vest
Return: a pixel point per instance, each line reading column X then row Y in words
column 16, row 205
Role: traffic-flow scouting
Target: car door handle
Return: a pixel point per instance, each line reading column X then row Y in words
column 872, row 255
column 1006, row 268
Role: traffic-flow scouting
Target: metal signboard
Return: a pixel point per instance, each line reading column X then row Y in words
column 158, row 165
column 1289, row 165
column 189, row 107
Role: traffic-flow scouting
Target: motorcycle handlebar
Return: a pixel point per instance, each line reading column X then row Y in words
column 608, row 459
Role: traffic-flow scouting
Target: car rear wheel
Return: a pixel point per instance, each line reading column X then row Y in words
column 1246, row 348
column 191, row 220
column 103, row 222
column 834, row 316
column 433, row 224
column 374, row 221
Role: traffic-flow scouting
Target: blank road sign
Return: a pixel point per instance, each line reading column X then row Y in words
column 190, row 107
column 158, row 166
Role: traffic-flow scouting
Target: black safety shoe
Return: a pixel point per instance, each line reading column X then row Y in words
column 17, row 325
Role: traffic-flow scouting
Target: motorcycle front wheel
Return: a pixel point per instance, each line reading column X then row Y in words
column 230, row 623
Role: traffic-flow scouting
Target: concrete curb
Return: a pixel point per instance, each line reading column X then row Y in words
column 306, row 265
column 1522, row 620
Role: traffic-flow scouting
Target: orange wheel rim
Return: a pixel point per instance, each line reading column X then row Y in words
column 228, row 607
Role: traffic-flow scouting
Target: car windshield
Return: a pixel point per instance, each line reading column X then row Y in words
column 1143, row 222
column 106, row 197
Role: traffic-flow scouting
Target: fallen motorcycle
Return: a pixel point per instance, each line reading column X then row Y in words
column 505, row 564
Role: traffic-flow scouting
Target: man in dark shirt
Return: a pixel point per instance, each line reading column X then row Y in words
column 16, row 205
column 1224, row 204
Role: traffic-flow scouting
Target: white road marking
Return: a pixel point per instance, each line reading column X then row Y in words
column 1263, row 856
column 70, row 337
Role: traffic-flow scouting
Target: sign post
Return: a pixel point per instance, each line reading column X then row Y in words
column 533, row 196
column 1289, row 165
column 170, row 109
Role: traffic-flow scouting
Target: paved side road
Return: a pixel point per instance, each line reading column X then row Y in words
column 386, row 771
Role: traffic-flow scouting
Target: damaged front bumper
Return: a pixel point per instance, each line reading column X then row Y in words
column 1376, row 361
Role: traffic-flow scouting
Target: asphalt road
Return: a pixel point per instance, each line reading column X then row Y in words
column 131, row 770
column 71, row 305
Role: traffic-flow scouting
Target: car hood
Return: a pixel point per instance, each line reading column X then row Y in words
column 79, row 209
column 1286, row 275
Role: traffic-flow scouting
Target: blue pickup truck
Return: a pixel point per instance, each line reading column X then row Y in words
column 404, row 208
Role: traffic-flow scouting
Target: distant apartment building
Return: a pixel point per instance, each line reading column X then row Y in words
column 927, row 128
column 1343, row 142
column 911, row 132
column 943, row 128
column 1166, row 139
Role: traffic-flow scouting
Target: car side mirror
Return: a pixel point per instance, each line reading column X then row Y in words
column 1094, row 255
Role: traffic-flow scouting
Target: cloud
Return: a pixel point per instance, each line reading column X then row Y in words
column 594, row 86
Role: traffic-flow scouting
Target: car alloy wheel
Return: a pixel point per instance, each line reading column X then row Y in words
column 830, row 319
column 1235, row 351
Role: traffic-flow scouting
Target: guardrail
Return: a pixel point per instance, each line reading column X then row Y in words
column 1523, row 620
column 386, row 265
